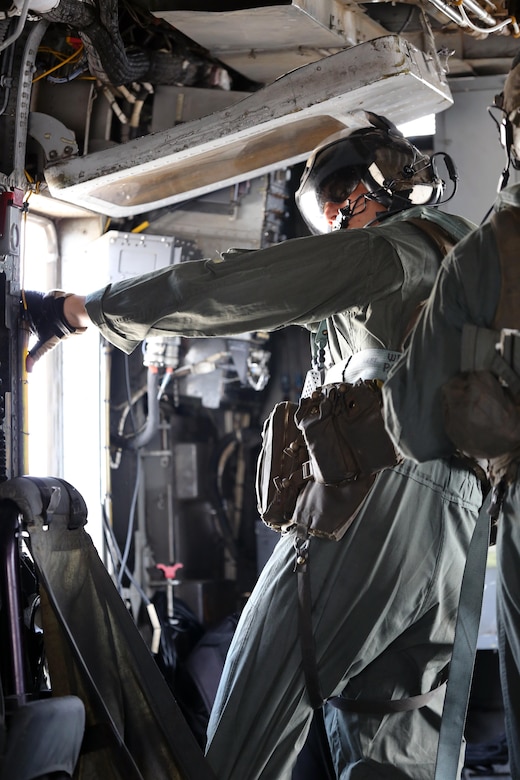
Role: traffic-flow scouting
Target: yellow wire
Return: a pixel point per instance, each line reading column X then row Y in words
column 141, row 227
column 59, row 54
column 48, row 50
column 73, row 56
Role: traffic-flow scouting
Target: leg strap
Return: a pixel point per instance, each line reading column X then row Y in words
column 387, row 706
column 310, row 669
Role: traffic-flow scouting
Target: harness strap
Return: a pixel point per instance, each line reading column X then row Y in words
column 465, row 644
column 387, row 706
column 506, row 227
column 443, row 240
column 308, row 648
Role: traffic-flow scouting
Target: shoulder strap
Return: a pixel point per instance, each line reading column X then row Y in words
column 440, row 237
column 444, row 243
column 506, row 227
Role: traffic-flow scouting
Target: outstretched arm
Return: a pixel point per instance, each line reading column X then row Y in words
column 293, row 283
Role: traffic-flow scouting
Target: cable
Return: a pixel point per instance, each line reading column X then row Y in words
column 111, row 539
column 132, row 512
column 76, row 54
column 66, row 79
column 19, row 27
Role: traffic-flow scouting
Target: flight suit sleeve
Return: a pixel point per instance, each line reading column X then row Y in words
column 299, row 281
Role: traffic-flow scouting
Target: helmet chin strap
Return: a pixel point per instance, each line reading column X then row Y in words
column 343, row 220
column 345, row 214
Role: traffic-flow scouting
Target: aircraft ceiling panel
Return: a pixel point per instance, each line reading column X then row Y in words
column 273, row 128
column 265, row 42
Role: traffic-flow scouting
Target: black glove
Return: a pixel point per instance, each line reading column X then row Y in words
column 43, row 313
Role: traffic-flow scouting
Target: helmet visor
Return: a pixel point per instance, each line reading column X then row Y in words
column 313, row 194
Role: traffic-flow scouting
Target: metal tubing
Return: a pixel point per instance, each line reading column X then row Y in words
column 10, row 588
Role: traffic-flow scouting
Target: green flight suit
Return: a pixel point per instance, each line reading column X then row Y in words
column 384, row 596
column 467, row 291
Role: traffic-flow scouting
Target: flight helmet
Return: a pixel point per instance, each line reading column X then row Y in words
column 395, row 173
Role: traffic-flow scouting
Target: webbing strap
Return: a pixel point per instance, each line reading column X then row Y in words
column 384, row 706
column 464, row 648
column 441, row 238
column 506, row 224
column 308, row 648
column 367, row 364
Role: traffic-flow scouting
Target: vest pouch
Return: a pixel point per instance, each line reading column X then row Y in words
column 280, row 467
column 328, row 511
column 343, row 428
column 480, row 416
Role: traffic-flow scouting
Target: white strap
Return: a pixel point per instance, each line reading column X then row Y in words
column 367, row 364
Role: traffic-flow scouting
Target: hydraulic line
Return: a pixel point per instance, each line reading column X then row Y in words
column 110, row 61
column 460, row 16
